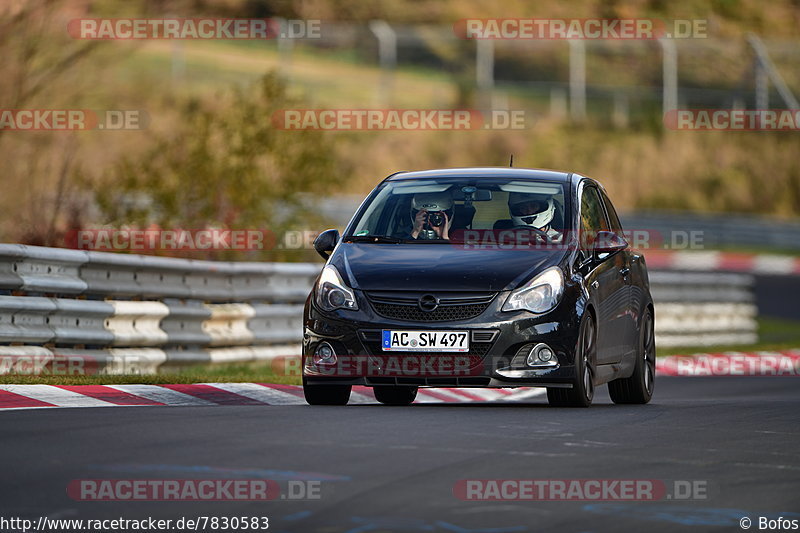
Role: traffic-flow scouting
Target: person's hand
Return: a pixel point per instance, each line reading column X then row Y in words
column 419, row 221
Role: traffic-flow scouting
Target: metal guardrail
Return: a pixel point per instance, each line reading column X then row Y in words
column 703, row 308
column 716, row 230
column 76, row 311
column 66, row 310
column 35, row 269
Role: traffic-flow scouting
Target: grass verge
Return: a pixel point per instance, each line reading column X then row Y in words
column 773, row 334
column 260, row 372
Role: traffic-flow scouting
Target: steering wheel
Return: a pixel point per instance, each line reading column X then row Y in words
column 539, row 232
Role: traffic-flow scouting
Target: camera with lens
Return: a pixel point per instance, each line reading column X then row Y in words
column 436, row 219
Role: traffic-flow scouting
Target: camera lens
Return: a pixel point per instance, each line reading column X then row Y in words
column 436, row 219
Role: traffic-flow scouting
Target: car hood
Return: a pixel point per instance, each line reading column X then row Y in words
column 438, row 267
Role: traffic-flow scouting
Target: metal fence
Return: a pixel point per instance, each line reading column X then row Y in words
column 616, row 78
column 83, row 312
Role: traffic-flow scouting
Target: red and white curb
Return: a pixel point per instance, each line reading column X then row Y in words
column 707, row 261
column 765, row 363
column 210, row 394
column 778, row 363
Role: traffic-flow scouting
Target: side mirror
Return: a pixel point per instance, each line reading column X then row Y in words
column 326, row 242
column 608, row 242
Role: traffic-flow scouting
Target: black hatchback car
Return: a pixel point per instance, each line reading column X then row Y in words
column 480, row 277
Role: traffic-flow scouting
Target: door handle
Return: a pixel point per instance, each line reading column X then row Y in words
column 624, row 271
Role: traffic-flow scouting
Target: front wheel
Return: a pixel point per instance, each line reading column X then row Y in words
column 638, row 388
column 326, row 394
column 582, row 392
column 395, row 395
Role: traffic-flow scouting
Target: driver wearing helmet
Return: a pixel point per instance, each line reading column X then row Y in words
column 432, row 214
column 535, row 211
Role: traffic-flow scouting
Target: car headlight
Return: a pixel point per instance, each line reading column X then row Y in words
column 332, row 293
column 539, row 295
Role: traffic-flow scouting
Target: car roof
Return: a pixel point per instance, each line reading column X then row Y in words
column 485, row 172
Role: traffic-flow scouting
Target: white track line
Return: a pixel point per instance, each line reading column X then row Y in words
column 56, row 396
column 259, row 393
column 161, row 395
column 4, row 409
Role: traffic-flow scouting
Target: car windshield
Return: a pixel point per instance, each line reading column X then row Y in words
column 442, row 210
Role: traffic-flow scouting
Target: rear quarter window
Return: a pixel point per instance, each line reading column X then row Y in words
column 613, row 218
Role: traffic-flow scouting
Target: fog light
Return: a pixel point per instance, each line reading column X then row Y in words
column 540, row 354
column 530, row 361
column 324, row 354
column 545, row 354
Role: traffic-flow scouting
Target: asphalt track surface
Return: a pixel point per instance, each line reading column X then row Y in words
column 776, row 296
column 394, row 468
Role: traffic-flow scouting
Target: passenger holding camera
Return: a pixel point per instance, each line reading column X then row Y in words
column 432, row 215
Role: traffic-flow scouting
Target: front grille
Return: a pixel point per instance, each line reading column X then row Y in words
column 452, row 307
column 466, row 361
column 425, row 364
column 431, row 382
column 483, row 336
column 441, row 314
column 428, row 364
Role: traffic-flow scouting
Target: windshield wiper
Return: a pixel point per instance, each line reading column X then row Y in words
column 382, row 239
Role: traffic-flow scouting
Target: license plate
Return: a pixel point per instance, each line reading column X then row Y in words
column 425, row 341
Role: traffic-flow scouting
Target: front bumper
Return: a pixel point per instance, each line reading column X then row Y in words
column 496, row 337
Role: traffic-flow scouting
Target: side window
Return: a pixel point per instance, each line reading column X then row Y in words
column 593, row 219
column 613, row 218
column 592, row 216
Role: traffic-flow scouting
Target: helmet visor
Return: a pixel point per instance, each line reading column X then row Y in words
column 529, row 207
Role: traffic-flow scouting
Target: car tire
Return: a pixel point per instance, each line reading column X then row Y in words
column 582, row 392
column 326, row 394
column 638, row 389
column 395, row 395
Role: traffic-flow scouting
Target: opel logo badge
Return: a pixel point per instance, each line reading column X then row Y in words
column 428, row 302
